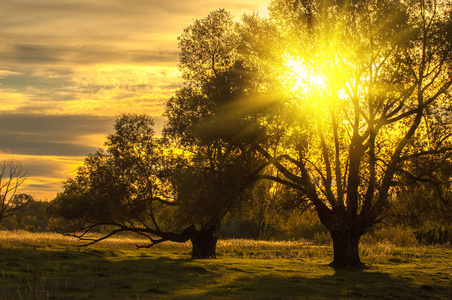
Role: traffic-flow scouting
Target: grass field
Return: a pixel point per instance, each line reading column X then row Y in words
column 49, row 266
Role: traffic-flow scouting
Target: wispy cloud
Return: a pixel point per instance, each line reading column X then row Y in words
column 29, row 134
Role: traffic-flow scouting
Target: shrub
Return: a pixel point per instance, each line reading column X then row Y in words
column 395, row 235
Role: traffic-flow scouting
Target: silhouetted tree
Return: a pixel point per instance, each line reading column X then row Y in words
column 207, row 180
column 209, row 117
column 12, row 176
column 123, row 188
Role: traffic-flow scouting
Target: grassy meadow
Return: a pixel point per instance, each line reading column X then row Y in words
column 50, row 266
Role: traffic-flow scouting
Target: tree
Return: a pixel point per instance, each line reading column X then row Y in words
column 122, row 188
column 203, row 183
column 367, row 82
column 33, row 218
column 208, row 47
column 207, row 118
column 12, row 177
column 139, row 184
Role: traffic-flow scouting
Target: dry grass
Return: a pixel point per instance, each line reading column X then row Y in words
column 51, row 266
column 21, row 238
column 239, row 248
column 242, row 248
column 263, row 245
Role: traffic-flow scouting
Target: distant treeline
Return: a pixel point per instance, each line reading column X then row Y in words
column 33, row 218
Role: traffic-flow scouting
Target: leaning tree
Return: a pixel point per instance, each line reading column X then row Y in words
column 133, row 185
column 142, row 184
column 366, row 85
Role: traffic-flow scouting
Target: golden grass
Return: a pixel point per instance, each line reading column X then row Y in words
column 20, row 238
column 127, row 242
column 242, row 248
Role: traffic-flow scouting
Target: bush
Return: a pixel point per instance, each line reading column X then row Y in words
column 396, row 235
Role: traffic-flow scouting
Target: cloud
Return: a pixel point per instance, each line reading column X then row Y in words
column 103, row 31
column 26, row 53
column 4, row 73
column 67, row 68
column 29, row 80
column 50, row 135
column 70, row 135
column 54, row 125
column 34, row 145
column 45, row 54
column 106, row 90
column 45, row 174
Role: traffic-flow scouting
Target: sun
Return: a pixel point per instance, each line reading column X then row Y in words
column 303, row 76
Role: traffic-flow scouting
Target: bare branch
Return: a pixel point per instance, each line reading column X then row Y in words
column 11, row 178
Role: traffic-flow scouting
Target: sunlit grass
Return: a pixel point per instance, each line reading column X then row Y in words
column 52, row 266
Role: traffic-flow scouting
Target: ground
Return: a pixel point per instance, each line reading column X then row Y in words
column 48, row 266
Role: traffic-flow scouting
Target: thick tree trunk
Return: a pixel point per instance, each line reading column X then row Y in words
column 204, row 242
column 345, row 245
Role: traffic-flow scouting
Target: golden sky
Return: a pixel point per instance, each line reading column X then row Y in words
column 69, row 67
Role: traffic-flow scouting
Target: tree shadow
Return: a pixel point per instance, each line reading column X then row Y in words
column 344, row 284
column 90, row 273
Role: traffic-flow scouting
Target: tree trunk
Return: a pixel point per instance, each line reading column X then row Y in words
column 204, row 242
column 345, row 245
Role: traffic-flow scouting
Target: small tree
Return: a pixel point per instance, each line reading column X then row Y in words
column 12, row 177
column 121, row 188
column 138, row 184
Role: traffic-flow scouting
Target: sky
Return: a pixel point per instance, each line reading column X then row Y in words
column 69, row 67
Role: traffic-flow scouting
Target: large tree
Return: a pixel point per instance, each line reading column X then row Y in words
column 206, row 116
column 366, row 85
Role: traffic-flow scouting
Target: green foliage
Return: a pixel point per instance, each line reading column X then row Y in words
column 424, row 202
column 118, row 186
column 208, row 47
column 400, row 236
column 206, row 195
column 213, row 108
column 277, row 215
column 34, row 218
